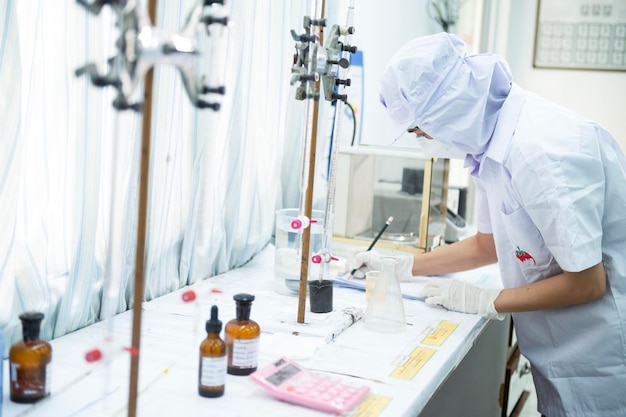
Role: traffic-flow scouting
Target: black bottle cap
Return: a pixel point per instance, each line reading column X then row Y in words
column 214, row 325
column 31, row 316
column 31, row 320
column 243, row 298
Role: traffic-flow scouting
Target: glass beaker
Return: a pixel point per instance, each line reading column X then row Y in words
column 385, row 310
column 287, row 260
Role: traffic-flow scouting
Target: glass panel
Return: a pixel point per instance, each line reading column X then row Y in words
column 379, row 183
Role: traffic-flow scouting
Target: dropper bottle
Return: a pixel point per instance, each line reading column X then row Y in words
column 242, row 338
column 29, row 362
column 212, row 369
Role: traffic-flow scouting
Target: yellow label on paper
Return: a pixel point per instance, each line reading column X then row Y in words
column 440, row 334
column 413, row 364
column 372, row 406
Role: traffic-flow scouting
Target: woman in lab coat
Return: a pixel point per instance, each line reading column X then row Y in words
column 552, row 212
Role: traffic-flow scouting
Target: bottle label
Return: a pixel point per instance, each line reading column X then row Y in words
column 47, row 387
column 245, row 352
column 213, row 371
column 30, row 381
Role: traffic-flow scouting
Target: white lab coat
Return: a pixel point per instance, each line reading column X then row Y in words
column 552, row 190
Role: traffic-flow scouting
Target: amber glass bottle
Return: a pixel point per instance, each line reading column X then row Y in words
column 212, row 372
column 1, row 368
column 242, row 338
column 29, row 362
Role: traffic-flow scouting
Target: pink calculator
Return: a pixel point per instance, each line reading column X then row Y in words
column 290, row 382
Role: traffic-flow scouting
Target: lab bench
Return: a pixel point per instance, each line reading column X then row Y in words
column 443, row 360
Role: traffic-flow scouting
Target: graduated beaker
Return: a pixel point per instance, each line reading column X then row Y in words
column 288, row 257
column 385, row 309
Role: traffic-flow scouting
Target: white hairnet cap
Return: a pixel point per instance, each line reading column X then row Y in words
column 432, row 82
column 418, row 73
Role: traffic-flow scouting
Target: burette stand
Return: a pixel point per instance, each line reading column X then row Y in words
column 133, row 64
column 315, row 61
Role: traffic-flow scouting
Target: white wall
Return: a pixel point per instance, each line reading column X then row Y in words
column 381, row 28
column 506, row 27
column 598, row 95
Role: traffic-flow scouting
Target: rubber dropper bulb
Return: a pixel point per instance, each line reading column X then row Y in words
column 213, row 325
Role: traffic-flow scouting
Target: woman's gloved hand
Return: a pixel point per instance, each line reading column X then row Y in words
column 364, row 261
column 460, row 296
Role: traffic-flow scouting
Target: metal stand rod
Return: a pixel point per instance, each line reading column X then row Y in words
column 142, row 210
column 422, row 238
column 308, row 210
column 308, row 205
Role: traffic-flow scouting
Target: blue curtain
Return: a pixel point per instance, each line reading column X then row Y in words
column 69, row 163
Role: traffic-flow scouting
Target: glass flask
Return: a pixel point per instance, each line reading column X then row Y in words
column 385, row 309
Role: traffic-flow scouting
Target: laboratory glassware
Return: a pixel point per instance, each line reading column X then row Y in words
column 288, row 243
column 385, row 309
column 213, row 359
column 29, row 362
column 1, row 368
column 242, row 338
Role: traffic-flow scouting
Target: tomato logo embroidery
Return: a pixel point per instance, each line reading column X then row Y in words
column 523, row 256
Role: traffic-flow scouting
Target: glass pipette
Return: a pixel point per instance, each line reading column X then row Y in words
column 326, row 255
